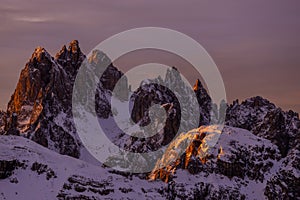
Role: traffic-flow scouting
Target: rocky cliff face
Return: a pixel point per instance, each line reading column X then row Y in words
column 181, row 116
column 42, row 99
column 285, row 183
column 151, row 129
column 264, row 119
column 2, row 121
column 70, row 58
column 41, row 106
column 243, row 159
column 237, row 153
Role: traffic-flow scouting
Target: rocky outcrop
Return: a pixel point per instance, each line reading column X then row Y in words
column 83, row 185
column 70, row 58
column 205, row 103
column 160, row 109
column 238, row 162
column 181, row 116
column 2, row 121
column 41, row 106
column 43, row 96
column 236, row 153
column 264, row 119
column 201, row 190
column 285, row 184
column 7, row 167
column 145, row 97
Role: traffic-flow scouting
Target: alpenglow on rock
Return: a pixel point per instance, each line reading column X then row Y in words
column 41, row 106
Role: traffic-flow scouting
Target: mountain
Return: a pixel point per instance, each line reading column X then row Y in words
column 170, row 95
column 165, row 92
column 41, row 106
column 255, row 156
column 264, row 119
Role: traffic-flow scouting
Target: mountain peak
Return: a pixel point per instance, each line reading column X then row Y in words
column 74, row 46
column 259, row 102
column 40, row 54
column 72, row 49
column 197, row 85
column 70, row 58
column 99, row 57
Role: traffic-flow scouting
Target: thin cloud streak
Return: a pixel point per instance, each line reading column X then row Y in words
column 33, row 19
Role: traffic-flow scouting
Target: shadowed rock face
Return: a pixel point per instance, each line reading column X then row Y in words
column 285, row 183
column 70, row 58
column 264, row 119
column 205, row 103
column 161, row 91
column 2, row 121
column 41, row 106
column 148, row 95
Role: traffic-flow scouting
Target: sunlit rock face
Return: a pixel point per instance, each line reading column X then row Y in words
column 264, row 119
column 41, row 103
column 237, row 164
column 232, row 153
column 41, row 106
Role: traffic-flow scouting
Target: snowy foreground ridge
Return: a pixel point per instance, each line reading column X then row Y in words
column 30, row 171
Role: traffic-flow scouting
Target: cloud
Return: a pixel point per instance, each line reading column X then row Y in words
column 33, row 19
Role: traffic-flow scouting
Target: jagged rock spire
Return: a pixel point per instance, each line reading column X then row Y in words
column 43, row 92
column 197, row 85
column 70, row 58
column 65, row 53
column 33, row 79
column 263, row 118
column 41, row 106
column 40, row 54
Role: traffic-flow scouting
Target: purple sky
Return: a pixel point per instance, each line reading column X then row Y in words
column 255, row 44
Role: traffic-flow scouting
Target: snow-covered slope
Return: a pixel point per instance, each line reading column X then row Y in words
column 30, row 171
column 240, row 166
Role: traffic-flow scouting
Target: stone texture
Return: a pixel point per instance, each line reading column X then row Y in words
column 41, row 106
column 264, row 119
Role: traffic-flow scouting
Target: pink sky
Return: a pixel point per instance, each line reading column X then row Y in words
column 255, row 44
